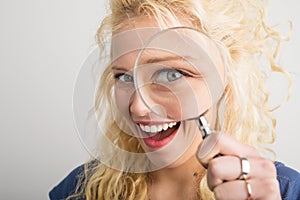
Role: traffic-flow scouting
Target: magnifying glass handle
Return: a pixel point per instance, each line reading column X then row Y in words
column 204, row 126
column 205, row 129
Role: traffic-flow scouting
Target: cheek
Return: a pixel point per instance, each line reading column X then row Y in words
column 204, row 98
column 122, row 98
column 122, row 117
column 180, row 104
column 121, row 101
column 166, row 106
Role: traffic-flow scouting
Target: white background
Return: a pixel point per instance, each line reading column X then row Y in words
column 42, row 45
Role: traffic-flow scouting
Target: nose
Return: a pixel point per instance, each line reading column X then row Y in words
column 138, row 107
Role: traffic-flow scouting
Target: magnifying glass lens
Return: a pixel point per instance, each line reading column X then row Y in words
column 175, row 74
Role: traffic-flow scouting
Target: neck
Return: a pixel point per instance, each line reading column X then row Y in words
column 180, row 173
column 177, row 181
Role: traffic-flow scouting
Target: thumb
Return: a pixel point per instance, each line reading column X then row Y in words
column 209, row 148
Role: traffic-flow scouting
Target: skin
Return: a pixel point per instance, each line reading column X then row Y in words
column 176, row 181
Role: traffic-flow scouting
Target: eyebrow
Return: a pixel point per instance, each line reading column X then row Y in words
column 152, row 60
column 118, row 68
column 162, row 59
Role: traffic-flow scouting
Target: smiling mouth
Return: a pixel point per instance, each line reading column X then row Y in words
column 153, row 129
column 158, row 135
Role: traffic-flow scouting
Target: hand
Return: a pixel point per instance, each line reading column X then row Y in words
column 224, row 172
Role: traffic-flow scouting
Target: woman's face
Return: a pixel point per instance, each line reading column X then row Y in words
column 172, row 87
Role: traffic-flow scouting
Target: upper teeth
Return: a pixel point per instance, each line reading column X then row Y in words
column 157, row 128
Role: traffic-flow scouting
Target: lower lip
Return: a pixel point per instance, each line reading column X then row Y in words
column 159, row 143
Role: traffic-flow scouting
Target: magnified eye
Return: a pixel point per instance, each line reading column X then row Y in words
column 124, row 78
column 168, row 75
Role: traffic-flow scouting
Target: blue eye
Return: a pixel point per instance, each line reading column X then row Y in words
column 124, row 78
column 168, row 75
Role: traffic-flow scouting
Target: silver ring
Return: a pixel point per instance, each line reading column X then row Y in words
column 249, row 189
column 245, row 166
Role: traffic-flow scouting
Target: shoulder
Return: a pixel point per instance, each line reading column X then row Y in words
column 289, row 181
column 68, row 185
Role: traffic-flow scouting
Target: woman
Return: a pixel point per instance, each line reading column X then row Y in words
column 178, row 162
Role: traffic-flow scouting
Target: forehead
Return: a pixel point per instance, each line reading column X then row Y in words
column 133, row 34
column 128, row 41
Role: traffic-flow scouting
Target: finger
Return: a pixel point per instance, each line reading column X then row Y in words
column 221, row 143
column 223, row 168
column 259, row 189
column 228, row 168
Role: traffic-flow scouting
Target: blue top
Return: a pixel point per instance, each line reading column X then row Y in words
column 289, row 181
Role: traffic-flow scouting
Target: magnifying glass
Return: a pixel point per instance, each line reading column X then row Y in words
column 180, row 69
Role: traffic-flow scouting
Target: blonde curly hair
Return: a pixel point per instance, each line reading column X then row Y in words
column 239, row 26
